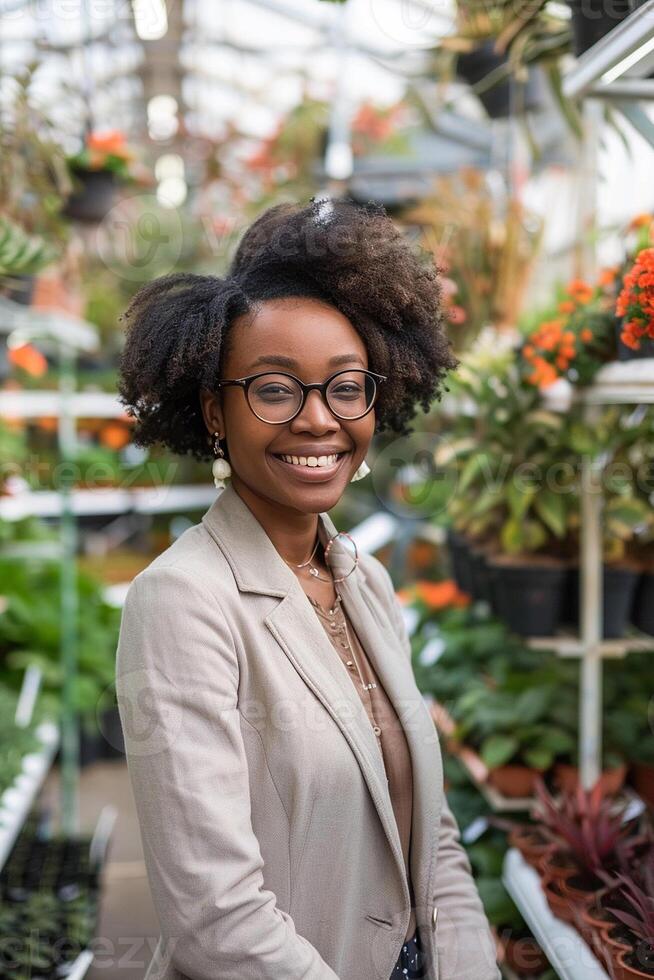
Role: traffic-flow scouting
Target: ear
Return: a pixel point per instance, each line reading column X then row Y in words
column 212, row 411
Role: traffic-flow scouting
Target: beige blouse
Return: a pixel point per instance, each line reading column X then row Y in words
column 386, row 726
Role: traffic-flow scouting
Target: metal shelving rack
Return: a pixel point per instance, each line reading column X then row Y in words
column 612, row 386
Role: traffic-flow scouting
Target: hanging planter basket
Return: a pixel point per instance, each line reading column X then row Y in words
column 474, row 66
column 94, row 197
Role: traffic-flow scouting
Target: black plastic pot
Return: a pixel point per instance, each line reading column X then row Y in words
column 643, row 608
column 95, row 196
column 618, row 585
column 460, row 560
column 19, row 288
column 480, row 575
column 593, row 19
column 473, row 66
column 529, row 598
column 627, row 353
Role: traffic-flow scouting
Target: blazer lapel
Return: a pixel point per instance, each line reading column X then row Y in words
column 382, row 646
column 258, row 567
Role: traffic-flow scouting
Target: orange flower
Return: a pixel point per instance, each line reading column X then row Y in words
column 640, row 221
column 438, row 595
column 586, row 335
column 567, row 306
column 636, row 300
column 114, row 436
column 608, row 275
column 111, row 141
column 29, row 359
column 580, row 290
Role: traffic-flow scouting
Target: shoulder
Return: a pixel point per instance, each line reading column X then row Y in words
column 377, row 577
column 190, row 572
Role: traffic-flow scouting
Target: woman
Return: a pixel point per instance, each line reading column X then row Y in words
column 286, row 772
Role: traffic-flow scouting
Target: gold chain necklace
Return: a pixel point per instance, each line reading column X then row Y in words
column 322, row 612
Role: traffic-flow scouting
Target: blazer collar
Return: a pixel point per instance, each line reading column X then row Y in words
column 254, row 560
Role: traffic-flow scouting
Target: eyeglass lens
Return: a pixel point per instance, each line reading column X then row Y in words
column 277, row 398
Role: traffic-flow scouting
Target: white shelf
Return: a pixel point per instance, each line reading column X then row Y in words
column 616, row 383
column 81, row 966
column 564, row 947
column 621, row 382
column 570, row 645
column 110, row 500
column 17, row 800
column 82, row 404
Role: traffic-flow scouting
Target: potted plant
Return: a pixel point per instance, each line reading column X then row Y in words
column 490, row 77
column 34, row 182
column 21, row 257
column 103, row 162
column 638, row 960
column 589, row 827
column 512, row 734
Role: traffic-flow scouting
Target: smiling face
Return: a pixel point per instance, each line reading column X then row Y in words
column 312, row 341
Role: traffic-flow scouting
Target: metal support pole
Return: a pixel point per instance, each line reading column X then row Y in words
column 69, row 599
column 591, row 600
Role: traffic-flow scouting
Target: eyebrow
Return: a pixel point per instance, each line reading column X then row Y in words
column 282, row 361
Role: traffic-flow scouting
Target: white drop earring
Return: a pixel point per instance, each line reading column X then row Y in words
column 362, row 471
column 220, row 467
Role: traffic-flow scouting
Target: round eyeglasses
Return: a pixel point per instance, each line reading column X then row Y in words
column 276, row 397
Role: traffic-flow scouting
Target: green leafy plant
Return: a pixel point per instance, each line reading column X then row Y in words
column 20, row 253
column 34, row 178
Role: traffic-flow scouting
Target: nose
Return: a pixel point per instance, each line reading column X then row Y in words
column 315, row 416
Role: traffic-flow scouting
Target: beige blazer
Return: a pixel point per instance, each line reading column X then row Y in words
column 270, row 842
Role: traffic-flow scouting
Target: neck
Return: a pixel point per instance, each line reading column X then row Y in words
column 292, row 533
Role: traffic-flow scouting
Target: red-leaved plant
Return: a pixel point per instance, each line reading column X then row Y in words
column 587, row 823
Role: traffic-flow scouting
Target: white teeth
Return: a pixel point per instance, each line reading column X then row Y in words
column 311, row 460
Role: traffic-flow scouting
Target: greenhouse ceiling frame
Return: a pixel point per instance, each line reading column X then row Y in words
column 601, row 72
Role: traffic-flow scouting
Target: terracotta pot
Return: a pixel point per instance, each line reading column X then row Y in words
column 595, row 917
column 629, row 971
column 513, row 781
column 524, row 955
column 561, row 906
column 642, row 777
column 531, row 843
column 614, row 936
column 592, row 927
column 555, row 863
column 566, row 778
column 570, row 887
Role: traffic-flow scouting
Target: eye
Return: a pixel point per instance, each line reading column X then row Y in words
column 347, row 389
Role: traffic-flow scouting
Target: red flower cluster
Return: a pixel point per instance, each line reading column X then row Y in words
column 636, row 300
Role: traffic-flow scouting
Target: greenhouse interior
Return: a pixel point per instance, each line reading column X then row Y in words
column 513, row 152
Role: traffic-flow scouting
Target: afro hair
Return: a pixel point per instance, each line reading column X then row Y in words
column 341, row 252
